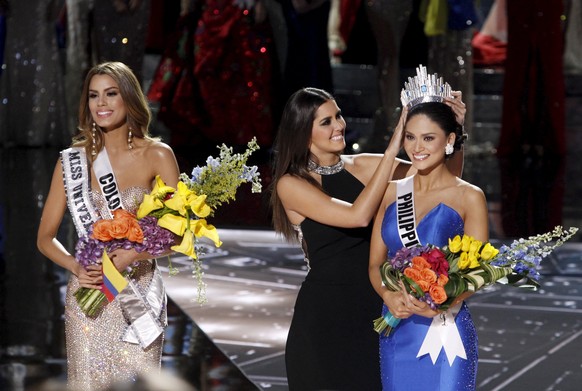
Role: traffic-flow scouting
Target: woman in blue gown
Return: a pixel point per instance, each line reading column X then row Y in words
column 325, row 200
column 443, row 206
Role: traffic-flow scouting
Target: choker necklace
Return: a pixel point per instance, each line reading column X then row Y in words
column 325, row 170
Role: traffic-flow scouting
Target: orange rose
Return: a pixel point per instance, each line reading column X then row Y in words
column 424, row 285
column 119, row 228
column 413, row 274
column 123, row 214
column 420, row 263
column 442, row 280
column 125, row 226
column 101, row 230
column 428, row 276
column 437, row 293
column 135, row 233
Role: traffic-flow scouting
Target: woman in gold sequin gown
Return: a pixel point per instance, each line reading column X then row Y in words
column 113, row 113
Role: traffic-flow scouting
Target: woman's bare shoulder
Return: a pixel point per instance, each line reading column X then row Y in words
column 469, row 191
column 157, row 147
column 290, row 182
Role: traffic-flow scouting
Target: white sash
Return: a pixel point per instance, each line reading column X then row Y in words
column 77, row 183
column 107, row 182
column 143, row 313
column 443, row 331
column 405, row 215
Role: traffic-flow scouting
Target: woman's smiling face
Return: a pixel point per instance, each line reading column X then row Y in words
column 327, row 135
column 425, row 141
column 106, row 104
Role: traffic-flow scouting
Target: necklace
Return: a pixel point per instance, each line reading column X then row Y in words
column 325, row 170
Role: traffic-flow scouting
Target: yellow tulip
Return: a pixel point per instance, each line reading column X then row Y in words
column 488, row 252
column 149, row 204
column 475, row 246
column 173, row 223
column 187, row 246
column 473, row 260
column 463, row 262
column 198, row 205
column 455, row 244
column 466, row 242
column 201, row 228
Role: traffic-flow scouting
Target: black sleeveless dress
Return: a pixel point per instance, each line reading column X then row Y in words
column 331, row 343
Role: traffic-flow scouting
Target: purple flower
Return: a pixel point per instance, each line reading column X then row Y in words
column 157, row 241
column 249, row 173
column 212, row 162
column 196, row 172
column 403, row 257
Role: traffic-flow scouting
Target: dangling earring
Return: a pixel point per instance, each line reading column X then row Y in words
column 129, row 139
column 449, row 149
column 94, row 136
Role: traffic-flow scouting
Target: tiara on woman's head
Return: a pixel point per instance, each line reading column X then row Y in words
column 424, row 88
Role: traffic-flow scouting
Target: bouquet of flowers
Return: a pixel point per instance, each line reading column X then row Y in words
column 438, row 276
column 166, row 216
column 106, row 235
column 184, row 210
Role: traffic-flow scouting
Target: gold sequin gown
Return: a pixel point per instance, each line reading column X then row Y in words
column 96, row 355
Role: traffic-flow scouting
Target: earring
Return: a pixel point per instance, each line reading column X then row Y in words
column 94, row 136
column 130, row 139
column 449, row 149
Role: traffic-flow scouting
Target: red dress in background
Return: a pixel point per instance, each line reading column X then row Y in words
column 534, row 90
column 214, row 81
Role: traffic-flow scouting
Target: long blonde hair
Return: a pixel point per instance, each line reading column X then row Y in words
column 138, row 111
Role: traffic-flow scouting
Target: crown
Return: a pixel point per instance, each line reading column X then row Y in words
column 424, row 88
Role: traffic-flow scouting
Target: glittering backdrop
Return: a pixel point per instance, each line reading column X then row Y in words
column 32, row 103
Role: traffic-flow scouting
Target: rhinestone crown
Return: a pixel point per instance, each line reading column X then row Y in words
column 424, row 88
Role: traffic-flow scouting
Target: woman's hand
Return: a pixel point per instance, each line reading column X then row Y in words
column 396, row 303
column 89, row 277
column 418, row 307
column 415, row 306
column 122, row 258
column 456, row 103
column 396, row 140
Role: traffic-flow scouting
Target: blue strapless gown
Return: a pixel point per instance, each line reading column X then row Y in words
column 400, row 368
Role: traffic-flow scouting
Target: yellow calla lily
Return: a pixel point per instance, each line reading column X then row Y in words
column 149, row 204
column 455, row 244
column 201, row 228
column 183, row 190
column 463, row 262
column 488, row 252
column 177, row 203
column 160, row 189
column 466, row 243
column 173, row 223
column 187, row 246
column 180, row 199
column 198, row 205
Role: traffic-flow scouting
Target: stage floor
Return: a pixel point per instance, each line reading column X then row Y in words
column 527, row 340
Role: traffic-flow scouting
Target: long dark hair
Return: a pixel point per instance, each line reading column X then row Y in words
column 291, row 149
column 138, row 112
column 444, row 117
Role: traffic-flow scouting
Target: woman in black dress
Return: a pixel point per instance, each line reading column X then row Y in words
column 326, row 201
